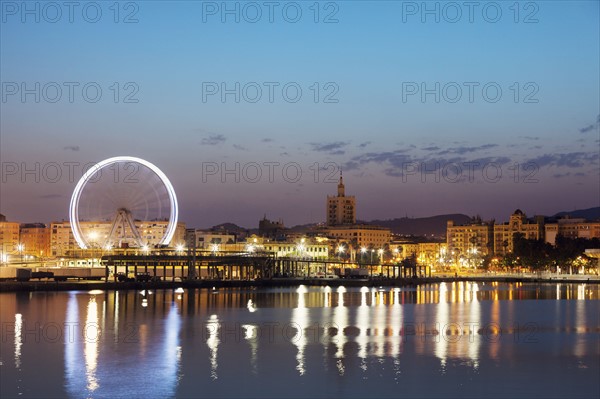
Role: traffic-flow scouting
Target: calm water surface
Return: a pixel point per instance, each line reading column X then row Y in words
column 448, row 339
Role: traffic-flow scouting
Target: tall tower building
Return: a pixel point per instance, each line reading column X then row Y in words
column 341, row 209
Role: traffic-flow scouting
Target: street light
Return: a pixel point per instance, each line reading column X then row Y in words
column 340, row 250
column 179, row 248
column 300, row 249
column 20, row 248
column 380, row 252
column 3, row 255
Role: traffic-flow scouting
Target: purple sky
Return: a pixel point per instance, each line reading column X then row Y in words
column 424, row 117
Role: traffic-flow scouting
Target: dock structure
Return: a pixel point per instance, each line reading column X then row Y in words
column 172, row 267
column 242, row 266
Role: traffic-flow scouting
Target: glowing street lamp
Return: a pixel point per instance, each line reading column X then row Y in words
column 340, row 250
column 21, row 248
column 179, row 248
column 214, row 248
column 380, row 252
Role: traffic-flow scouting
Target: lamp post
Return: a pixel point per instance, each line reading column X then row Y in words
column 3, row 255
column 20, row 248
column 363, row 250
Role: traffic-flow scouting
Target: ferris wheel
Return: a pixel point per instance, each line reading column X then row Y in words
column 114, row 196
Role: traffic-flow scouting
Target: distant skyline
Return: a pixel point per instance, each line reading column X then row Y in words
column 536, row 147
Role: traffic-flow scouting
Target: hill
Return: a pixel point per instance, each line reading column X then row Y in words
column 588, row 214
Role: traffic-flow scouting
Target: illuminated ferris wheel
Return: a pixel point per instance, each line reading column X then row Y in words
column 115, row 195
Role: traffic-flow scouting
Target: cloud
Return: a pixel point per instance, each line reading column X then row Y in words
column 534, row 138
column 432, row 148
column 399, row 162
column 239, row 147
column 333, row 148
column 466, row 150
column 267, row 140
column 393, row 159
column 213, row 139
column 489, row 160
column 568, row 160
column 50, row 196
column 363, row 145
column 591, row 127
column 587, row 129
column 71, row 148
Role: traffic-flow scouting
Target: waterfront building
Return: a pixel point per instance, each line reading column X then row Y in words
column 471, row 239
column 572, row 228
column 9, row 239
column 63, row 242
column 305, row 248
column 35, row 238
column 300, row 248
column 361, row 235
column 426, row 253
column 341, row 209
column 204, row 239
column 518, row 224
column 271, row 229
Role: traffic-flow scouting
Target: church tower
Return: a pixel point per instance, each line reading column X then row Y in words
column 341, row 209
column 341, row 189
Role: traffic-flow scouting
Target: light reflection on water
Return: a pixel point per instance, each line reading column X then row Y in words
column 438, row 339
column 213, row 341
column 91, row 337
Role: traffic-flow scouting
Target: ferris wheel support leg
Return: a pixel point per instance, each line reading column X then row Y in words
column 127, row 216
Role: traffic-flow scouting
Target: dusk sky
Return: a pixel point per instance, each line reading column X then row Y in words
column 535, row 146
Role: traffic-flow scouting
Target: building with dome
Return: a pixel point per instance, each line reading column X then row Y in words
column 518, row 223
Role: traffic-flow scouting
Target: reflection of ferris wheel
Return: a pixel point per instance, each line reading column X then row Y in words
column 118, row 192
